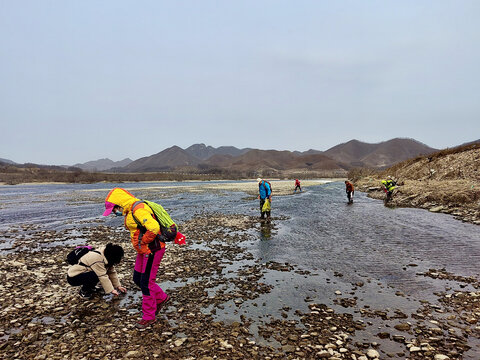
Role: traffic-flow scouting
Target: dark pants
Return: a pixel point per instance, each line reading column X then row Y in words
column 87, row 281
column 349, row 196
column 298, row 187
column 262, row 201
column 389, row 196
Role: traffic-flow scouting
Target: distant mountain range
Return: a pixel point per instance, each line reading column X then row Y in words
column 103, row 164
column 207, row 159
column 342, row 157
column 204, row 152
column 6, row 161
column 359, row 154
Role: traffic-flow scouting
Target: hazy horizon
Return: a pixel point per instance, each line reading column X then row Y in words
column 81, row 81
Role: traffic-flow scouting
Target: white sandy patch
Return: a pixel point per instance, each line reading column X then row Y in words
column 280, row 187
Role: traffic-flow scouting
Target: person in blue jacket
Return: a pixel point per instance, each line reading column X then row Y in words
column 265, row 192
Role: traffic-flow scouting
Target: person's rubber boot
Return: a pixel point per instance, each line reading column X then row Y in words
column 143, row 324
column 162, row 304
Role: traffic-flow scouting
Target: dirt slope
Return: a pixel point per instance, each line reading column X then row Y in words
column 447, row 181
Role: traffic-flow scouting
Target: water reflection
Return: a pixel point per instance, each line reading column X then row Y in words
column 266, row 230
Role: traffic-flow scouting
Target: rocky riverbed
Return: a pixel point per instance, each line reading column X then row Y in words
column 42, row 317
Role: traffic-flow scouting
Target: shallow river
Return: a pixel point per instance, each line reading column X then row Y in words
column 315, row 230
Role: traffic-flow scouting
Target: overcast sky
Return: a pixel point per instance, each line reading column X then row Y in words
column 83, row 80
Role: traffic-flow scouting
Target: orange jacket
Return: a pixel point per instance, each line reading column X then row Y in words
column 348, row 186
column 143, row 214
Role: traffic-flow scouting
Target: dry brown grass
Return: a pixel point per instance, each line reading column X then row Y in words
column 359, row 173
column 448, row 164
column 443, row 192
column 449, row 178
column 11, row 175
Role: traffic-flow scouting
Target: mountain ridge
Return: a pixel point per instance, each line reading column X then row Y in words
column 378, row 155
column 200, row 157
column 103, row 164
column 342, row 157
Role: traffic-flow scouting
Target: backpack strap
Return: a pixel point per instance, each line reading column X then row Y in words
column 142, row 228
column 80, row 263
column 139, row 224
column 265, row 186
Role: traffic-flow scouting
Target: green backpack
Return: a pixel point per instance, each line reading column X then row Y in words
column 161, row 215
column 167, row 226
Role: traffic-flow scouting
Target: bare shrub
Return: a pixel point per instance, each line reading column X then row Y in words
column 356, row 174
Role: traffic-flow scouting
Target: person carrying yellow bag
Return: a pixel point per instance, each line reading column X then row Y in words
column 265, row 196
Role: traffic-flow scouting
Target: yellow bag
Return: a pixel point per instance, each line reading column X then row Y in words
column 266, row 206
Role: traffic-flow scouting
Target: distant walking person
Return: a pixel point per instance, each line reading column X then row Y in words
column 349, row 190
column 150, row 228
column 265, row 196
column 297, row 185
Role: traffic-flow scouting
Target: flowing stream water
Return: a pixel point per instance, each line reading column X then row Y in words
column 339, row 244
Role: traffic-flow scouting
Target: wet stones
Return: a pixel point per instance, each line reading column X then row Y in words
column 403, row 327
column 443, row 274
column 210, row 277
column 346, row 302
column 373, row 354
column 272, row 265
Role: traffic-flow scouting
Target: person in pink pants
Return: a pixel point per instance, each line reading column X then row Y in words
column 144, row 275
column 150, row 229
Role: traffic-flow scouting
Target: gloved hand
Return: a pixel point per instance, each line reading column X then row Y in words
column 180, row 239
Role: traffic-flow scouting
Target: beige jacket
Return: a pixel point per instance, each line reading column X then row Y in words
column 98, row 263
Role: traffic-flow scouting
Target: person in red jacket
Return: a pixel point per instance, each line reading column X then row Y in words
column 349, row 190
column 297, row 185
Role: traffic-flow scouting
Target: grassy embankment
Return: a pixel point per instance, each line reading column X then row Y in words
column 447, row 181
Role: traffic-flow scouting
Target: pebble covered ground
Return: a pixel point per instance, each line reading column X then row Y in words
column 42, row 317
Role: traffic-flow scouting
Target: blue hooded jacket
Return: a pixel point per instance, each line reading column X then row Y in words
column 264, row 189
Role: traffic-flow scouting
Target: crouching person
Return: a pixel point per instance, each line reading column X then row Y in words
column 94, row 266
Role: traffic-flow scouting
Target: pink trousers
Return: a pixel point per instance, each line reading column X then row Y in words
column 144, row 275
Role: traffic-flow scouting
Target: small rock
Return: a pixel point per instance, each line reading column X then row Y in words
column 323, row 354
column 288, row 348
column 373, row 354
column 180, row 341
column 402, row 327
column 225, row 344
column 132, row 354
